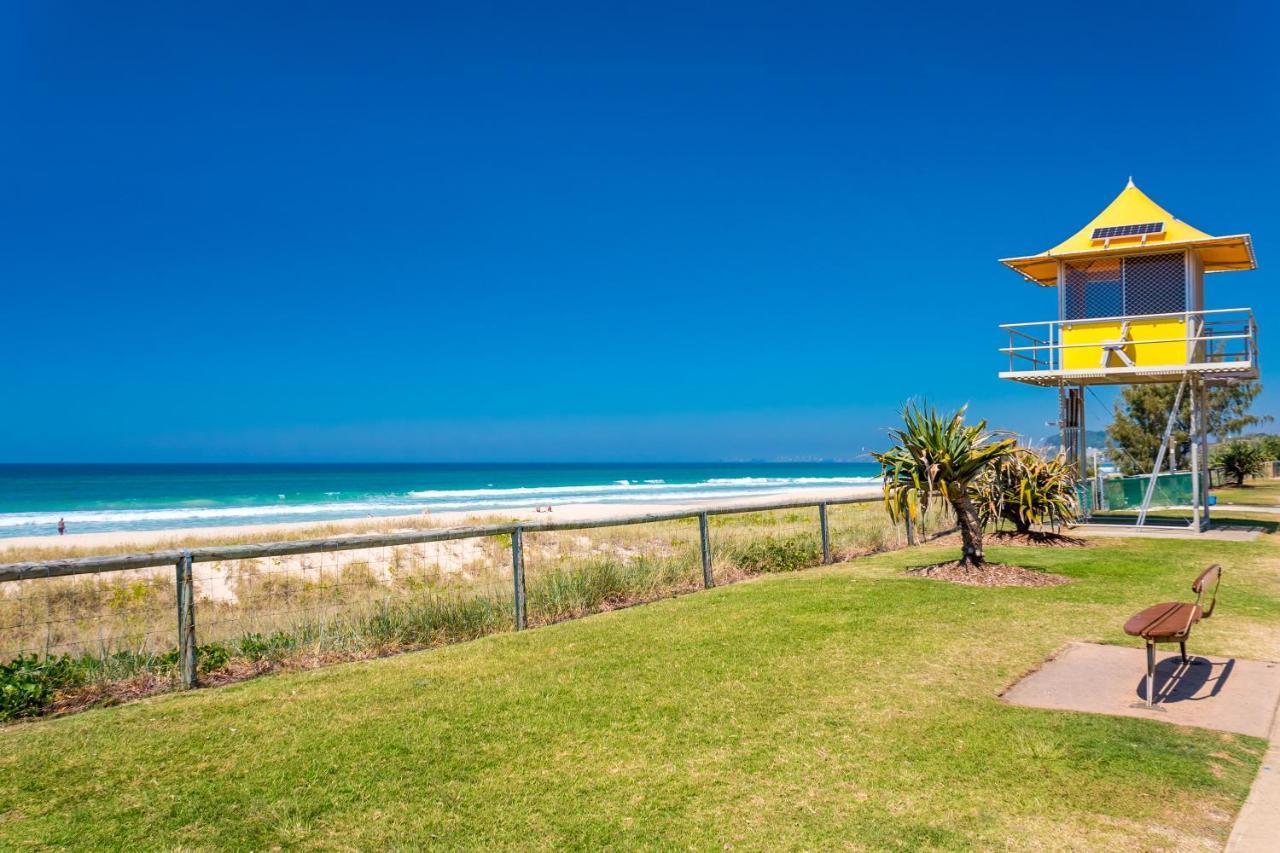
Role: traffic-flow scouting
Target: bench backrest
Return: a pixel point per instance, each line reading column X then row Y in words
column 1211, row 575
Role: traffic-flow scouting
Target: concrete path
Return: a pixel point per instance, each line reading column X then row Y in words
column 1257, row 828
column 1274, row 510
column 1226, row 694
column 1219, row 532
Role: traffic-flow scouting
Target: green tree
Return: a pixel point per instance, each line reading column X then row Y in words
column 1142, row 411
column 1270, row 446
column 936, row 454
column 1240, row 459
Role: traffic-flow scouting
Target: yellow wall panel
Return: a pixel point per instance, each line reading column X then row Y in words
column 1166, row 345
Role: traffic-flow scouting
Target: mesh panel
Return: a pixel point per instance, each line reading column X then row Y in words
column 1094, row 289
column 1154, row 284
column 1116, row 287
column 105, row 616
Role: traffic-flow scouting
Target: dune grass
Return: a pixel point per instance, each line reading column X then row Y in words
column 69, row 642
column 842, row 706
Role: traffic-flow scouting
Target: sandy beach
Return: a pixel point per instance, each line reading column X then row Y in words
column 149, row 539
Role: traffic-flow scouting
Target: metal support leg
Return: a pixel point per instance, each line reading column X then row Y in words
column 1151, row 672
column 1164, row 445
column 1203, row 433
column 1182, row 647
column 1082, row 441
column 1197, row 497
column 1071, row 423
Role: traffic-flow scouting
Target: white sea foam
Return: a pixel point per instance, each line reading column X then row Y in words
column 648, row 485
column 478, row 500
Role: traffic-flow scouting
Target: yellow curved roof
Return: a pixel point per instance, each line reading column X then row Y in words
column 1133, row 207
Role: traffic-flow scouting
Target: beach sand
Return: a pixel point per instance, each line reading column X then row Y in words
column 145, row 540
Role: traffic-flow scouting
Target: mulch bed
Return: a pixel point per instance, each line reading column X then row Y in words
column 991, row 574
column 1042, row 538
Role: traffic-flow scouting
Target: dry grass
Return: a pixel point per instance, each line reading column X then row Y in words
column 118, row 630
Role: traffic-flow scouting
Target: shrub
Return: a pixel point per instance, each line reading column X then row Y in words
column 1023, row 488
column 27, row 684
column 1240, row 459
column 256, row 647
column 212, row 656
column 776, row 554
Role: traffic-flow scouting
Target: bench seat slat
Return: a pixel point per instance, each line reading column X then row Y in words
column 1167, row 622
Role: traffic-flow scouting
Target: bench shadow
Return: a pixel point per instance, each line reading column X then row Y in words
column 1185, row 682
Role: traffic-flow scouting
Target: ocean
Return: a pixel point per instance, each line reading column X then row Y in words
column 110, row 497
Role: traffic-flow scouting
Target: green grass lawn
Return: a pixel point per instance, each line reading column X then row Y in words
column 1256, row 492
column 847, row 706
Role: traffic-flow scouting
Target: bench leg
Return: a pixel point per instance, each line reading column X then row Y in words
column 1151, row 672
column 1183, row 647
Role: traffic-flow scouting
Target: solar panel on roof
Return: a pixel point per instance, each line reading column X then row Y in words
column 1140, row 230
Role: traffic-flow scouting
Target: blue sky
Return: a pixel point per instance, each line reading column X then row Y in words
column 427, row 231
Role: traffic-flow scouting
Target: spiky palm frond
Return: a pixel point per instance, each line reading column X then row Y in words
column 935, row 454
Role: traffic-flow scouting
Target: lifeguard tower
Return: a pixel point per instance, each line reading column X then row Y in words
column 1131, row 310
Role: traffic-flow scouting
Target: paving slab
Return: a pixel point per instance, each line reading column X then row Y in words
column 1226, row 694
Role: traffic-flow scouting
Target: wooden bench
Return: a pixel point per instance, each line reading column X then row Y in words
column 1172, row 622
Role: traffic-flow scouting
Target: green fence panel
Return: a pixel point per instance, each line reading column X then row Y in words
column 1127, row 492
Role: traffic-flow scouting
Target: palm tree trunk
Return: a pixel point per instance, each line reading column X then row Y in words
column 1020, row 525
column 970, row 531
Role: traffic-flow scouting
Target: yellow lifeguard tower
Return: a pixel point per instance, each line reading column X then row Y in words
column 1131, row 310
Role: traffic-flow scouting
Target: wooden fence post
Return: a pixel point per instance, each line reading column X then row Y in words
column 705, row 535
column 517, row 575
column 826, row 536
column 185, row 589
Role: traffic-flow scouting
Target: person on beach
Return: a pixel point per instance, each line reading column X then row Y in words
column 62, row 527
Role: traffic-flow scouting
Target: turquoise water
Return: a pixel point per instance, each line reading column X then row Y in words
column 152, row 497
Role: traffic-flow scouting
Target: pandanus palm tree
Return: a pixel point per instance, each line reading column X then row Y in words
column 1026, row 489
column 934, row 454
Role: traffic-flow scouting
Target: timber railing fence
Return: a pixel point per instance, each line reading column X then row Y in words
column 174, row 614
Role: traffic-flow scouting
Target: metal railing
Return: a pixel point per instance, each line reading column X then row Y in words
column 225, row 581
column 1219, row 337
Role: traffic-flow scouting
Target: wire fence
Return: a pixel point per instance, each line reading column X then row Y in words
column 171, row 618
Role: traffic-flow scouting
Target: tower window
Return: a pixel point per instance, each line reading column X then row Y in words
column 1125, row 287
